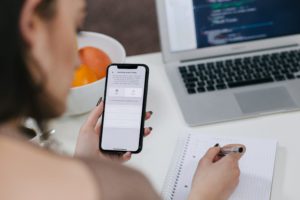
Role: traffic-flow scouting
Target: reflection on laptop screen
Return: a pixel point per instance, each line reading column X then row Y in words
column 196, row 24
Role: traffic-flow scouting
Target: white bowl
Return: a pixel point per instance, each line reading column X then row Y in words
column 83, row 99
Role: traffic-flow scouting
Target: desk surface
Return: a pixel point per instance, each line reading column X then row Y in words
column 168, row 124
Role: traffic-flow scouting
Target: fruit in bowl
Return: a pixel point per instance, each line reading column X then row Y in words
column 84, row 75
column 97, row 52
column 96, row 59
column 94, row 64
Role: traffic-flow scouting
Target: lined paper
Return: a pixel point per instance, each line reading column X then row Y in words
column 257, row 167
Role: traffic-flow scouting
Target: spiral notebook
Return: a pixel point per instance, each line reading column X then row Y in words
column 257, row 166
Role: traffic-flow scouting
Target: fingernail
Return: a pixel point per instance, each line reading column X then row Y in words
column 216, row 145
column 150, row 128
column 241, row 150
column 100, row 100
column 151, row 113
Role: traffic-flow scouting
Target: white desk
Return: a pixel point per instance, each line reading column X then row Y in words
column 168, row 122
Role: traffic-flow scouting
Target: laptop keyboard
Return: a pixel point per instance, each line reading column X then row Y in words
column 221, row 75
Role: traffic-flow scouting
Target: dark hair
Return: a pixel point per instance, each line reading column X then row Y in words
column 18, row 92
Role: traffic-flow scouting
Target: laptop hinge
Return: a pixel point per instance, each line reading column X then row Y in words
column 246, row 52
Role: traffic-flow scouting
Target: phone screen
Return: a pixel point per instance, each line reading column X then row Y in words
column 122, row 122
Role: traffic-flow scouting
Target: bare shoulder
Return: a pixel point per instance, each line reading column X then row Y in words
column 27, row 172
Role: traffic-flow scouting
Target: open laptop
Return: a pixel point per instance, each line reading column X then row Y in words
column 231, row 59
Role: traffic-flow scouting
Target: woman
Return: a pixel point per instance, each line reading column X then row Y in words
column 38, row 56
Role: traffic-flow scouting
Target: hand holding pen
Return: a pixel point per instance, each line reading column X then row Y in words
column 230, row 149
column 217, row 173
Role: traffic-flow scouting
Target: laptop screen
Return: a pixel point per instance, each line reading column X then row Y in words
column 194, row 24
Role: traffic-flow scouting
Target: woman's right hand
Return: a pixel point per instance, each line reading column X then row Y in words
column 216, row 178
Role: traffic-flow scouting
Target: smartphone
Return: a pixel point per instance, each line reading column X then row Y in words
column 124, row 113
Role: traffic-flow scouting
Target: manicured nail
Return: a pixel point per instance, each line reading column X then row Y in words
column 151, row 113
column 241, row 150
column 150, row 128
column 216, row 145
column 100, row 100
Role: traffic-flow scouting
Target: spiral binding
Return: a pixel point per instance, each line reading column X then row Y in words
column 174, row 173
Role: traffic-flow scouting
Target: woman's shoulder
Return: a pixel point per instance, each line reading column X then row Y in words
column 37, row 174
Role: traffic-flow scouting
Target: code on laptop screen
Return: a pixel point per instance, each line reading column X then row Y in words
column 221, row 22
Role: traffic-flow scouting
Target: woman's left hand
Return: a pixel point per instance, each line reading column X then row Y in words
column 89, row 135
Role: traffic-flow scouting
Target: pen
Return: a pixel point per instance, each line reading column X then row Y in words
column 228, row 150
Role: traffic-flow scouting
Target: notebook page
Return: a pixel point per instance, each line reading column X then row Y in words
column 256, row 166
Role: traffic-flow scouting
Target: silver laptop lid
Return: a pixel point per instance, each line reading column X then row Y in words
column 195, row 29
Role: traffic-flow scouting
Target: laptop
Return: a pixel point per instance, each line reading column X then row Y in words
column 231, row 59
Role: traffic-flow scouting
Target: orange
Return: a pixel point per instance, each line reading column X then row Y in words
column 84, row 75
column 96, row 59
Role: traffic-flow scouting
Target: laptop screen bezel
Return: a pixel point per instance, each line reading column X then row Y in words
column 215, row 51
